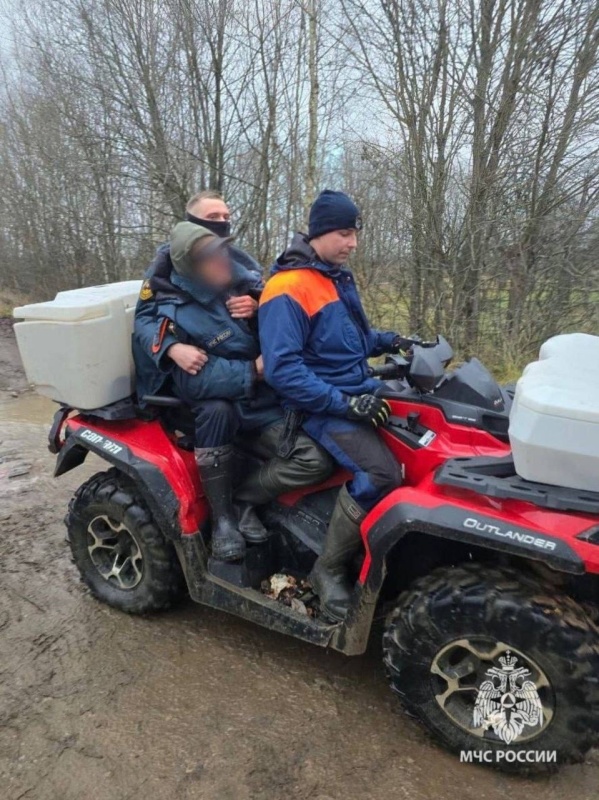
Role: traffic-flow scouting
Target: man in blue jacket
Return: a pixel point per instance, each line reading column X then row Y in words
column 315, row 343
column 190, row 313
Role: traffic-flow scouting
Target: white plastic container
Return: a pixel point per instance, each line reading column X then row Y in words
column 76, row 349
column 579, row 346
column 554, row 421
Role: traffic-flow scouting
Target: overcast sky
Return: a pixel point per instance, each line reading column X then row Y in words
column 8, row 9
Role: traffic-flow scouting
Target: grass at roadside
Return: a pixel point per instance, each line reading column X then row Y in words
column 504, row 354
column 8, row 301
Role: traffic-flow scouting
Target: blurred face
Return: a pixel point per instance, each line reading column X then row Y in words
column 213, row 209
column 215, row 269
column 335, row 247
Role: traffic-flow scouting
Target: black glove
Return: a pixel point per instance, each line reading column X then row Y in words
column 368, row 408
column 400, row 343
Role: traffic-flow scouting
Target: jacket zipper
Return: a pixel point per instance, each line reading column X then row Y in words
column 354, row 319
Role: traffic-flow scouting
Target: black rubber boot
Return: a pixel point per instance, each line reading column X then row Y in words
column 329, row 577
column 216, row 472
column 252, row 530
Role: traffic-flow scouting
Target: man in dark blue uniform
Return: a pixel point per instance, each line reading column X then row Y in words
column 191, row 340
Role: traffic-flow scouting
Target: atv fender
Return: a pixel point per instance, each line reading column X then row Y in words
column 162, row 476
column 408, row 510
column 72, row 455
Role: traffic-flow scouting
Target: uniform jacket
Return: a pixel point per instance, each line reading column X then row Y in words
column 314, row 334
column 174, row 309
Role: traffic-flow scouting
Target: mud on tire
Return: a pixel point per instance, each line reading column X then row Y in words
column 480, row 603
column 109, row 500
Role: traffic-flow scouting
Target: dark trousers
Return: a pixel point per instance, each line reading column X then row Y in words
column 358, row 448
column 216, row 422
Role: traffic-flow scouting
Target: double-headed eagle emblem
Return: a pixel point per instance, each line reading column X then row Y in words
column 507, row 702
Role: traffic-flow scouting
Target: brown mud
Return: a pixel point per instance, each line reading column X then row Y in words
column 98, row 705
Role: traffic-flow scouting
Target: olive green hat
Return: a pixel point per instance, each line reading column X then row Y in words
column 183, row 237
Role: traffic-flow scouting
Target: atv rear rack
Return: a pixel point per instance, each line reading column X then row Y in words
column 496, row 477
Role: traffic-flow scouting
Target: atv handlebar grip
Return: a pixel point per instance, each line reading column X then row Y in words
column 384, row 371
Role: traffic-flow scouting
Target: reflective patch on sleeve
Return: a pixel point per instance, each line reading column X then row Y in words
column 160, row 334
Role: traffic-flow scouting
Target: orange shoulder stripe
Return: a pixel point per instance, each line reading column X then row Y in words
column 308, row 287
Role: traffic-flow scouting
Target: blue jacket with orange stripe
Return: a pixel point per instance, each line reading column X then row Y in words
column 314, row 334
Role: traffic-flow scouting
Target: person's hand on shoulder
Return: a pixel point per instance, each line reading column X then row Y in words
column 243, row 307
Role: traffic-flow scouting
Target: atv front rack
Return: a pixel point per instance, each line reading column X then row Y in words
column 496, row 477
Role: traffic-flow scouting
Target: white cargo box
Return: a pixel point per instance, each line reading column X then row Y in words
column 579, row 346
column 554, row 421
column 76, row 349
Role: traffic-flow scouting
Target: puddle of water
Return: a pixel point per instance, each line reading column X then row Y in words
column 29, row 407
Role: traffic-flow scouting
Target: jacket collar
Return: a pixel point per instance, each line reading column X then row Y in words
column 300, row 254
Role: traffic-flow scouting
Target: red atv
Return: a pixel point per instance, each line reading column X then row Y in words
column 487, row 583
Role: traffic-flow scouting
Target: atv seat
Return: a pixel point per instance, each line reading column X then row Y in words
column 174, row 415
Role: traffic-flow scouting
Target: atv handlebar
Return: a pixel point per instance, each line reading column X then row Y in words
column 416, row 340
column 416, row 351
column 385, row 371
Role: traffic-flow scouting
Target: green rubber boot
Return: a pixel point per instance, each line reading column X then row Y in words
column 329, row 576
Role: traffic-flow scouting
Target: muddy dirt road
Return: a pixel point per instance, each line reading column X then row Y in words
column 96, row 705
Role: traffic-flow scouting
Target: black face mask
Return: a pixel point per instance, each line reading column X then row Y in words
column 217, row 227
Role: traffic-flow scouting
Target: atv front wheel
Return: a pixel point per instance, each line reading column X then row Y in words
column 118, row 548
column 501, row 669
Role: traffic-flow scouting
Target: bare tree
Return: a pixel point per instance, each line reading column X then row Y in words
column 467, row 132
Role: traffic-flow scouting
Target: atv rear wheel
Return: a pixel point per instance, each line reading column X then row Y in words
column 118, row 548
column 497, row 666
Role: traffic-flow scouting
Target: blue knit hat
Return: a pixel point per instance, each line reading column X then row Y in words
column 333, row 211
